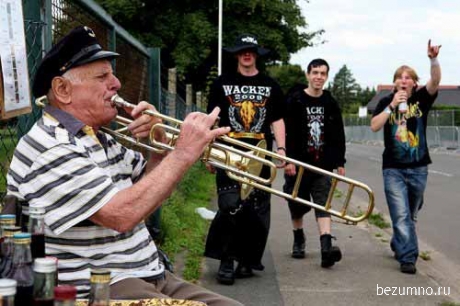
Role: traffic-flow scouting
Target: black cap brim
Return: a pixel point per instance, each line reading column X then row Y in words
column 259, row 50
column 97, row 56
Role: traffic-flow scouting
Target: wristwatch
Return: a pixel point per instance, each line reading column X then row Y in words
column 387, row 110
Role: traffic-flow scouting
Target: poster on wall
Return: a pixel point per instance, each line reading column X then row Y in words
column 14, row 75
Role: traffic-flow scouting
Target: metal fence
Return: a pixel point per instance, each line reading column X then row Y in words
column 443, row 129
column 45, row 22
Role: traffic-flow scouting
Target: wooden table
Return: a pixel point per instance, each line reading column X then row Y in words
column 147, row 302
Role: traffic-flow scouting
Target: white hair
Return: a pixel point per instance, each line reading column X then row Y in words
column 74, row 75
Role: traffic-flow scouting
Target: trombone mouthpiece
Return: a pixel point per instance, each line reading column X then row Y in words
column 120, row 102
column 116, row 98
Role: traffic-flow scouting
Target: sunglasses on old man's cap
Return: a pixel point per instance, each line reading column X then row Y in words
column 80, row 46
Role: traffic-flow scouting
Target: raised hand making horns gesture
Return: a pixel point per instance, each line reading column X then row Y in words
column 433, row 51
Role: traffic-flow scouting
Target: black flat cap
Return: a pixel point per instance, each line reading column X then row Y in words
column 78, row 47
column 245, row 42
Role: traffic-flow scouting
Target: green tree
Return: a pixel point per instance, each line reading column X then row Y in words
column 364, row 96
column 187, row 31
column 345, row 89
column 287, row 75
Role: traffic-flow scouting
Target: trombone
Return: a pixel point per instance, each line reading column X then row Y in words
column 243, row 163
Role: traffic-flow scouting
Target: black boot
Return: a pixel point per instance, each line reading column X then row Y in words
column 243, row 271
column 298, row 249
column 329, row 254
column 226, row 274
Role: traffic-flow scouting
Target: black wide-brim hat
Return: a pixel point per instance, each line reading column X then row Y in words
column 247, row 42
column 80, row 46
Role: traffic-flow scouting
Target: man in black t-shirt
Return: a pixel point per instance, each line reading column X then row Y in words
column 315, row 135
column 251, row 104
column 403, row 115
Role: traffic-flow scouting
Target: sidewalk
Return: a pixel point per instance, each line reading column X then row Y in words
column 366, row 270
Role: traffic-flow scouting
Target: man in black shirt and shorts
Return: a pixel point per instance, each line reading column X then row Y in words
column 315, row 135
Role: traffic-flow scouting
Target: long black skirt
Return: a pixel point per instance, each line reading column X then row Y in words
column 240, row 229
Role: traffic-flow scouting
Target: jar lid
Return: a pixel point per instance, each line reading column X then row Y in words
column 8, row 219
column 65, row 292
column 36, row 211
column 53, row 258
column 10, row 230
column 7, row 216
column 25, row 209
column 100, row 276
column 7, row 287
column 44, row 265
column 21, row 238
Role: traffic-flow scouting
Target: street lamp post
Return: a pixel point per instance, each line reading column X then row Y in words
column 219, row 59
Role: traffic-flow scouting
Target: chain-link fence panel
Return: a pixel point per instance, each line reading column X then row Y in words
column 163, row 106
column 444, row 118
column 12, row 130
column 132, row 71
column 8, row 141
column 443, row 128
column 445, row 137
column 435, row 118
column 353, row 120
column 181, row 108
column 67, row 14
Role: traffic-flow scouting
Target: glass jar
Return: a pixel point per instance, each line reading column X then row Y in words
column 99, row 294
column 7, row 249
column 22, row 269
column 7, row 291
column 65, row 295
column 44, row 281
column 36, row 227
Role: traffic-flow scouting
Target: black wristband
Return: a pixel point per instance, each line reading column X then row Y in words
column 281, row 148
column 391, row 107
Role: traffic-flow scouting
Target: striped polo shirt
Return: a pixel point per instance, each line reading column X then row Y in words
column 62, row 166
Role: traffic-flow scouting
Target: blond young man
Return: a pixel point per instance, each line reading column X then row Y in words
column 406, row 156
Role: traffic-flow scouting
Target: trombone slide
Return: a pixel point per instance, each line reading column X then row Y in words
column 241, row 159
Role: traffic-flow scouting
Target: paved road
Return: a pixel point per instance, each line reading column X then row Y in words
column 367, row 263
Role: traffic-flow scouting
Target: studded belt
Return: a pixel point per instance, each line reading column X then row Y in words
column 246, row 135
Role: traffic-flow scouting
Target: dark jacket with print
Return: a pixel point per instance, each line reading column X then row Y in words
column 314, row 127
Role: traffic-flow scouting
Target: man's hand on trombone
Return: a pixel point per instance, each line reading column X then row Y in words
column 281, row 163
column 290, row 170
column 341, row 171
column 142, row 123
column 197, row 133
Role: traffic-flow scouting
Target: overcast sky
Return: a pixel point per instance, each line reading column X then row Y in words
column 374, row 37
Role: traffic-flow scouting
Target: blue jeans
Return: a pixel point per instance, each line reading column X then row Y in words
column 404, row 190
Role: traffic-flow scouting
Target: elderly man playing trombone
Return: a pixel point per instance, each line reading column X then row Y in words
column 95, row 191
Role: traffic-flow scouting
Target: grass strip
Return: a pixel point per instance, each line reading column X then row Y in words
column 182, row 229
